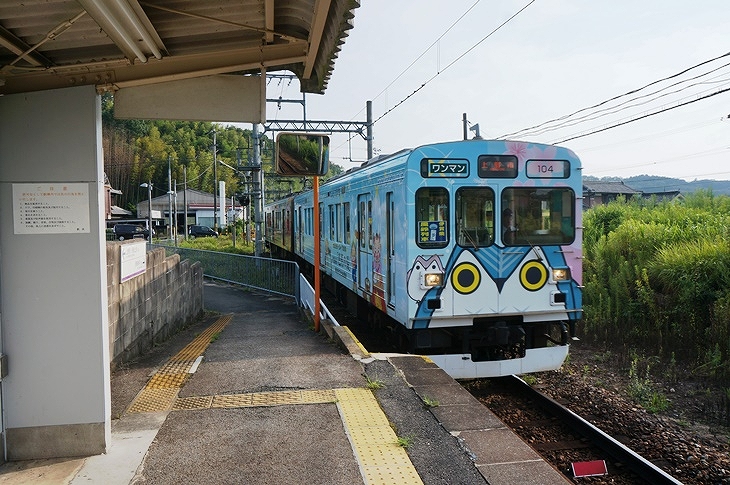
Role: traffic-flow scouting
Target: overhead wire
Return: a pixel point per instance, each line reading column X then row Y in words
column 628, row 93
column 420, row 56
column 592, row 118
column 623, row 106
column 425, row 83
column 615, row 125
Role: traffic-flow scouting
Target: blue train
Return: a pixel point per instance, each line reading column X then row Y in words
column 469, row 251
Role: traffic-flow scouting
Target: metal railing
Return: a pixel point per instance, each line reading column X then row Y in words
column 272, row 275
column 307, row 301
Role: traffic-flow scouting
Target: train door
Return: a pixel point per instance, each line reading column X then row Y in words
column 389, row 269
column 365, row 241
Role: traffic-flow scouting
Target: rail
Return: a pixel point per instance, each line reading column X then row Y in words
column 628, row 458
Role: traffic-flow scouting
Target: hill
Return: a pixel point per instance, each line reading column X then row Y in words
column 653, row 183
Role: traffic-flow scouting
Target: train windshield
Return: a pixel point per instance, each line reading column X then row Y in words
column 432, row 217
column 475, row 216
column 537, row 215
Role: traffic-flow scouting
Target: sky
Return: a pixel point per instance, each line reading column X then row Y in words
column 426, row 63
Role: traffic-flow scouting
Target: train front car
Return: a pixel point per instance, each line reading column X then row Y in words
column 493, row 256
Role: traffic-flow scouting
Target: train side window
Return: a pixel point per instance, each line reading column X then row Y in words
column 475, row 216
column 333, row 222
column 432, row 217
column 346, row 219
column 370, row 224
column 338, row 225
column 538, row 215
column 361, row 224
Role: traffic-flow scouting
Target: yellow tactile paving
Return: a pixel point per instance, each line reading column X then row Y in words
column 374, row 442
column 231, row 401
column 161, row 390
column 281, row 398
column 188, row 403
column 167, row 381
column 176, row 367
column 153, row 400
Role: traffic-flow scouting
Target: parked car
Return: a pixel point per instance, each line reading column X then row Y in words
column 130, row 231
column 201, row 231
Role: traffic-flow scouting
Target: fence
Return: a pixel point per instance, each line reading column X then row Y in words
column 272, row 275
column 307, row 301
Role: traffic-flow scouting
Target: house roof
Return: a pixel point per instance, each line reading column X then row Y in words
column 49, row 44
column 196, row 199
column 619, row 188
column 119, row 212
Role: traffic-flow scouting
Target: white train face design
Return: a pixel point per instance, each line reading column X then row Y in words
column 415, row 276
column 498, row 281
column 472, row 291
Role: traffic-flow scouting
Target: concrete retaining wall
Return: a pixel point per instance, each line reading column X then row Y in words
column 152, row 306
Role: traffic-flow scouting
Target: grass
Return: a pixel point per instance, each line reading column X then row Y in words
column 641, row 390
column 430, row 403
column 530, row 380
column 405, row 442
column 214, row 337
column 223, row 244
column 373, row 384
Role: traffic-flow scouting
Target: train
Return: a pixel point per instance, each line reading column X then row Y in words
column 469, row 252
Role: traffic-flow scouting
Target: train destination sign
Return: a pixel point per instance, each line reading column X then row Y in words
column 497, row 166
column 437, row 167
column 548, row 169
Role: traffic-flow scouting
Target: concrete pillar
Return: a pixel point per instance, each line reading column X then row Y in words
column 56, row 397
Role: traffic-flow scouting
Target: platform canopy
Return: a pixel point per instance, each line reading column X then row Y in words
column 115, row 44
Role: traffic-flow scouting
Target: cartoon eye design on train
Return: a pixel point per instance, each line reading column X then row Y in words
column 533, row 275
column 423, row 275
column 465, row 278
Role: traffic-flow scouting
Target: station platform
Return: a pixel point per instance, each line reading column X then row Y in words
column 251, row 394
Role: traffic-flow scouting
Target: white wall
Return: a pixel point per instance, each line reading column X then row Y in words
column 53, row 301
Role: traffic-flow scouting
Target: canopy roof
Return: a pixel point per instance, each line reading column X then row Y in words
column 48, row 44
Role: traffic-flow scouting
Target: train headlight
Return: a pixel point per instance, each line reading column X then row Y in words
column 561, row 274
column 433, row 279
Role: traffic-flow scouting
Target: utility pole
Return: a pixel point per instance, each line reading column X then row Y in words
column 215, row 181
column 258, row 195
column 169, row 198
column 185, row 201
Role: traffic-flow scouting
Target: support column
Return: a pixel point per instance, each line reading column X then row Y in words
column 53, row 301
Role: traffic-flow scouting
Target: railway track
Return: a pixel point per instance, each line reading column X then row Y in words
column 691, row 458
column 561, row 436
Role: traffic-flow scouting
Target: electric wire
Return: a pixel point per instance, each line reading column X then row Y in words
column 578, row 122
column 625, row 104
column 461, row 17
column 628, row 93
column 425, row 83
column 664, row 110
column 421, row 55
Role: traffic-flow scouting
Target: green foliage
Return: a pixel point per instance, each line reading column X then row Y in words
column 405, row 442
column 430, row 403
column 223, row 244
column 529, row 379
column 373, row 384
column 657, row 277
column 642, row 390
column 138, row 151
